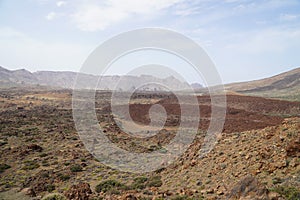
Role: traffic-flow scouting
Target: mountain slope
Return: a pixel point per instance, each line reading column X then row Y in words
column 15, row 78
column 283, row 86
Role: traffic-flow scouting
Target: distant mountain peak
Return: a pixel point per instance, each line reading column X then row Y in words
column 196, row 86
column 4, row 69
column 66, row 79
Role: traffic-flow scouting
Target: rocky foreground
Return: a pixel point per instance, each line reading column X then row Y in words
column 42, row 157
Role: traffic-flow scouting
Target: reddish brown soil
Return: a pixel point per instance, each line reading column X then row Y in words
column 243, row 112
column 262, row 105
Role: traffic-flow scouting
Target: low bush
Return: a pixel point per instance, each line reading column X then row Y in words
column 54, row 196
column 154, row 181
column 290, row 193
column 109, row 186
column 139, row 183
column 30, row 165
column 76, row 168
column 4, row 167
column 64, row 177
column 50, row 188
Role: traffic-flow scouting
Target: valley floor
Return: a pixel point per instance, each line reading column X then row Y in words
column 256, row 157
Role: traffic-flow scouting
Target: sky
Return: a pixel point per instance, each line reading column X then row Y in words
column 246, row 39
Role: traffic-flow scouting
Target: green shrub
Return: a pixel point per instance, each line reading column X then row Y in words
column 76, row 168
column 153, row 148
column 3, row 142
column 146, row 198
column 154, row 181
column 45, row 174
column 290, row 193
column 185, row 197
column 109, row 185
column 141, row 179
column 30, row 165
column 277, row 180
column 4, row 167
column 45, row 163
column 64, row 177
column 115, row 191
column 50, row 188
column 42, row 155
column 139, row 183
column 54, row 196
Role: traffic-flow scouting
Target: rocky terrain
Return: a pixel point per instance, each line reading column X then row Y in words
column 256, row 157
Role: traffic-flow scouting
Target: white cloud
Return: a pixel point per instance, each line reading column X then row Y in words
column 19, row 50
column 265, row 41
column 94, row 16
column 145, row 6
column 61, row 3
column 288, row 17
column 185, row 9
column 51, row 16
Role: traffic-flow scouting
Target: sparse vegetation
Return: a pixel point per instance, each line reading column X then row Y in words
column 64, row 177
column 277, row 181
column 30, row 165
column 186, row 197
column 4, row 167
column 139, row 183
column 54, row 196
column 2, row 143
column 154, row 181
column 50, row 188
column 76, row 168
column 42, row 155
column 268, row 151
column 290, row 193
column 109, row 186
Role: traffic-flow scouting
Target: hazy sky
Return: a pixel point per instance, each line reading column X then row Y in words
column 246, row 39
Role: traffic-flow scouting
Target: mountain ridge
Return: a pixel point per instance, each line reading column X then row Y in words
column 285, row 85
column 263, row 80
column 66, row 79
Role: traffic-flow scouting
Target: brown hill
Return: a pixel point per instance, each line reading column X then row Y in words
column 284, row 86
